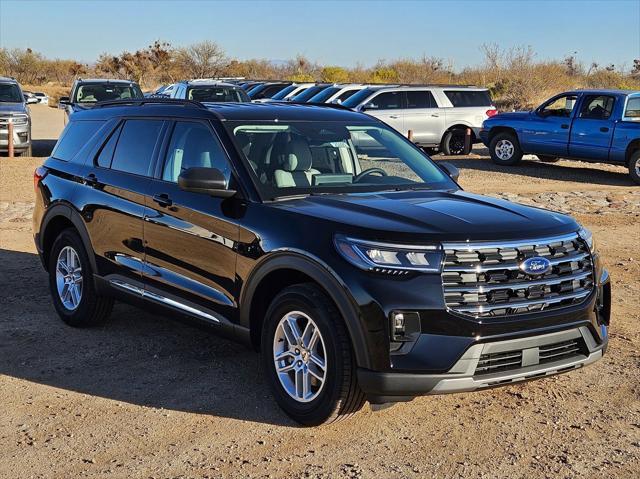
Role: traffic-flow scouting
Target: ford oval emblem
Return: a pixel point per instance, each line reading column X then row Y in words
column 535, row 265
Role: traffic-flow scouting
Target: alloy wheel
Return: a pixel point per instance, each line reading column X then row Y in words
column 299, row 356
column 504, row 149
column 69, row 278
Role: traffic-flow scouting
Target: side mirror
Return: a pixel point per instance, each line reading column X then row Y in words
column 209, row 181
column 451, row 170
column 64, row 101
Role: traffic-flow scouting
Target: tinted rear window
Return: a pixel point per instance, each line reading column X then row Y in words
column 468, row 97
column 74, row 137
column 135, row 146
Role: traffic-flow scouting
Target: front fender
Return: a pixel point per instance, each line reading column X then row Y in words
column 326, row 278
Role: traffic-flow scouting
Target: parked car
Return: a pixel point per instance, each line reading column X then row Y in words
column 43, row 98
column 358, row 277
column 85, row 93
column 305, row 95
column 163, row 92
column 289, row 92
column 437, row 116
column 266, row 90
column 337, row 93
column 209, row 91
column 14, row 109
column 30, row 97
column 600, row 126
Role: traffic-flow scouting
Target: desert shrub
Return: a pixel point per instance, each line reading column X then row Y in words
column 334, row 75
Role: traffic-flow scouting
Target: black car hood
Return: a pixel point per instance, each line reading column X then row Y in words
column 441, row 215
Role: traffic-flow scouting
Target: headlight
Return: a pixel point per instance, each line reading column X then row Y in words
column 20, row 120
column 389, row 258
column 587, row 236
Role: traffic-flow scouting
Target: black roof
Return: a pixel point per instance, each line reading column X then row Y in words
column 221, row 111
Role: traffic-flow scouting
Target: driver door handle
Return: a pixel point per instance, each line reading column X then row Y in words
column 435, row 115
column 163, row 200
column 395, row 117
column 604, row 129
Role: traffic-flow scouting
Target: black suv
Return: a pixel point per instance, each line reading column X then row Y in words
column 322, row 237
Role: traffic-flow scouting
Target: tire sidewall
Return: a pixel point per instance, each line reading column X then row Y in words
column 84, row 309
column 447, row 143
column 317, row 410
column 635, row 158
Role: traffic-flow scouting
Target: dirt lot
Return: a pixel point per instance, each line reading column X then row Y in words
column 148, row 397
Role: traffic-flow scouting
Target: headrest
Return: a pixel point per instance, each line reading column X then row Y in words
column 297, row 156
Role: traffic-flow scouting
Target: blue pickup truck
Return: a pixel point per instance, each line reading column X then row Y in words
column 589, row 125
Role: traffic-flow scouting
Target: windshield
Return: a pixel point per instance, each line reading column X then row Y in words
column 217, row 94
column 94, row 92
column 10, row 93
column 308, row 93
column 354, row 100
column 324, row 95
column 283, row 93
column 308, row 157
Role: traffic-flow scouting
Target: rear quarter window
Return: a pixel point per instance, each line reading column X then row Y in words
column 462, row 98
column 632, row 109
column 74, row 137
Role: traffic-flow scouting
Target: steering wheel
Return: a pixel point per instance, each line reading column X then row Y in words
column 367, row 172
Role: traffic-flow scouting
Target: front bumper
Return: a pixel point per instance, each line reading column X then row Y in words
column 381, row 387
column 21, row 137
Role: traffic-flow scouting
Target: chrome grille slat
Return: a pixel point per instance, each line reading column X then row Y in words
column 485, row 279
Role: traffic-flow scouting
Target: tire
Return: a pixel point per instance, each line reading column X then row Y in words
column 333, row 393
column 453, row 143
column 86, row 308
column 548, row 158
column 634, row 166
column 505, row 149
column 27, row 152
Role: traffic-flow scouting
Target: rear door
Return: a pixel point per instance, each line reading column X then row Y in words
column 592, row 129
column 548, row 128
column 388, row 107
column 190, row 237
column 423, row 117
column 112, row 199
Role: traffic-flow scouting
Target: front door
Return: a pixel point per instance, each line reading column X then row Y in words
column 548, row 130
column 592, row 130
column 388, row 107
column 190, row 237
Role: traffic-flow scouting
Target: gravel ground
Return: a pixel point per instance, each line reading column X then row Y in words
column 149, row 397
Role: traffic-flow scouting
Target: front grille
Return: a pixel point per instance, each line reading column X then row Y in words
column 511, row 360
column 485, row 279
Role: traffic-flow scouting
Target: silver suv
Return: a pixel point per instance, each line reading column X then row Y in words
column 437, row 116
column 13, row 108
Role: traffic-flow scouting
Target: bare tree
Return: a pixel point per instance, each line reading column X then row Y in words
column 201, row 60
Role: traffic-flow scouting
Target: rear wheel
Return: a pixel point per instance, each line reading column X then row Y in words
column 548, row 158
column 634, row 166
column 308, row 359
column 505, row 149
column 71, row 283
column 453, row 143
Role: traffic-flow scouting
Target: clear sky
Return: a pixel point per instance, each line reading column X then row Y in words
column 331, row 32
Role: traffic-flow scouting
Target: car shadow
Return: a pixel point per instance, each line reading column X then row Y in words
column 138, row 357
column 585, row 173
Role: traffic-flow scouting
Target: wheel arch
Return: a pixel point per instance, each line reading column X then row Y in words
column 502, row 129
column 632, row 147
column 60, row 217
column 283, row 269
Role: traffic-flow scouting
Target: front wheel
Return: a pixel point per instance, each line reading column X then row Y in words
column 634, row 167
column 308, row 359
column 505, row 149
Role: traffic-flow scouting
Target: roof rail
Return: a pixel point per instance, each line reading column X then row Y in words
column 146, row 101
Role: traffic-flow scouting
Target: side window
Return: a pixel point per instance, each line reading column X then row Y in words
column 106, row 152
column 135, row 146
column 632, row 109
column 391, row 100
column 597, row 107
column 193, row 144
column 74, row 137
column 561, row 106
column 420, row 99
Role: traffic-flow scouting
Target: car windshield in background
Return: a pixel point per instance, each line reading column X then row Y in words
column 10, row 93
column 324, row 95
column 283, row 93
column 305, row 157
column 308, row 93
column 217, row 94
column 461, row 98
column 95, row 92
column 357, row 98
